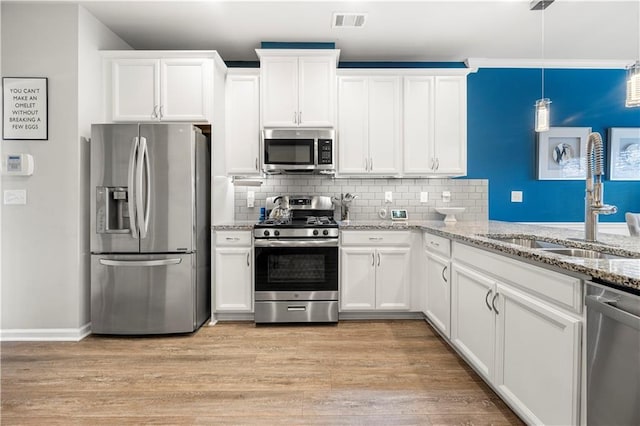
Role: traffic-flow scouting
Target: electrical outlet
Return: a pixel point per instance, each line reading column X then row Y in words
column 516, row 196
column 251, row 198
column 15, row 196
column 446, row 196
column 424, row 197
column 388, row 197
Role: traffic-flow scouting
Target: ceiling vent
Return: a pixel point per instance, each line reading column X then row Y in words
column 349, row 20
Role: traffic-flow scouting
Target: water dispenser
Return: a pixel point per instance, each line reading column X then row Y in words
column 112, row 210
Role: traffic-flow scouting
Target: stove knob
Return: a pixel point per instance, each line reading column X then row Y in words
column 266, row 233
column 315, row 232
column 276, row 233
column 325, row 232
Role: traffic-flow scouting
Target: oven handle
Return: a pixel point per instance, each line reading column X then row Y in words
column 296, row 243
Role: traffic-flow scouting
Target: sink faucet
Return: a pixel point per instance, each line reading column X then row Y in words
column 594, row 187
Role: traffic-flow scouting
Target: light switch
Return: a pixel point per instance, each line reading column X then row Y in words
column 15, row 196
column 388, row 197
column 446, row 196
column 424, row 197
column 251, row 198
column 516, row 196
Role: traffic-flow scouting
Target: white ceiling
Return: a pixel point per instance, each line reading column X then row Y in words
column 434, row 30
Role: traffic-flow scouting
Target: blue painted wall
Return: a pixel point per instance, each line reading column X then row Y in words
column 502, row 143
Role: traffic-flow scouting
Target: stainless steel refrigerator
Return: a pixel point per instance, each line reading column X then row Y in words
column 150, row 228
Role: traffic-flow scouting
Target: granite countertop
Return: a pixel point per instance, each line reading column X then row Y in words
column 623, row 273
column 236, row 225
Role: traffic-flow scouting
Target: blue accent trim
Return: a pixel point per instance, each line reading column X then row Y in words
column 502, row 144
column 242, row 64
column 387, row 64
column 296, row 45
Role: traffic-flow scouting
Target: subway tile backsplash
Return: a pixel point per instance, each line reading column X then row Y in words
column 469, row 193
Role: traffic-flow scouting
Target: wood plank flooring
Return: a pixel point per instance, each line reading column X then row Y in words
column 356, row 372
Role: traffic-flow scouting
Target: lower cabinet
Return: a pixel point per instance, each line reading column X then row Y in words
column 375, row 278
column 527, row 348
column 233, row 272
column 438, row 283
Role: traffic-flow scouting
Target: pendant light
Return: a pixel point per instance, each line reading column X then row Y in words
column 542, row 104
column 633, row 76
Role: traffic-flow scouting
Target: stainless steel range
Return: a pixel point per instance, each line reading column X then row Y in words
column 296, row 261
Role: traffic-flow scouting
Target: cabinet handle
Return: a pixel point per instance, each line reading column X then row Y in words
column 373, row 259
column 248, row 254
column 486, row 299
column 433, row 163
column 493, row 303
column 433, row 243
column 376, row 238
column 437, row 161
column 300, row 117
column 161, row 113
column 295, row 117
column 233, row 238
column 371, row 164
column 443, row 276
column 378, row 259
column 155, row 112
column 256, row 163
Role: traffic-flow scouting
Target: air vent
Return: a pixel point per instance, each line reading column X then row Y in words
column 349, row 20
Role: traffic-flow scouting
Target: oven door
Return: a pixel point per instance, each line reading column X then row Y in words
column 296, row 271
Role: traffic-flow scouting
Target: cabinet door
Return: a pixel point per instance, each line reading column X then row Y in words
column 450, row 142
column 243, row 125
column 186, row 89
column 384, row 125
column 357, row 279
column 537, row 358
column 233, row 283
column 438, row 293
column 472, row 317
column 353, row 130
column 279, row 90
column 316, row 91
column 418, row 125
column 393, row 283
column 135, row 89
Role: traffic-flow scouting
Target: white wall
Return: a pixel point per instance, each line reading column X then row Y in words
column 44, row 291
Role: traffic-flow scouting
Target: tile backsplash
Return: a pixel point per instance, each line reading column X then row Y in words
column 469, row 193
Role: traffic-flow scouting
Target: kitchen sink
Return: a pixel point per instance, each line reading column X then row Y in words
column 584, row 253
column 534, row 243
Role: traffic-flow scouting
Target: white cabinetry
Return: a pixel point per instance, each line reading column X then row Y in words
column 527, row 347
column 375, row 271
column 233, row 272
column 369, row 113
column 160, row 85
column 242, row 138
column 435, row 125
column 298, row 87
column 438, row 288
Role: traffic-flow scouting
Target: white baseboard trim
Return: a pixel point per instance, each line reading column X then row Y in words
column 617, row 228
column 228, row 316
column 45, row 334
column 373, row 315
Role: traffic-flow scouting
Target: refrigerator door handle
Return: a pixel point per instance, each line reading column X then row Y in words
column 160, row 262
column 147, row 173
column 142, row 213
column 132, row 193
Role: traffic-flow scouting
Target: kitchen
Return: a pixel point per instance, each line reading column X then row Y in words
column 44, row 300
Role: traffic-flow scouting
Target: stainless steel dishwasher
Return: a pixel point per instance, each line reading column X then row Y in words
column 613, row 356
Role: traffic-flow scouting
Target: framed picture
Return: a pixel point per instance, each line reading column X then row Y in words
column 624, row 153
column 562, row 153
column 25, row 115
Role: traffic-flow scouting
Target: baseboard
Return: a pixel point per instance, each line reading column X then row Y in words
column 373, row 315
column 45, row 334
column 227, row 316
column 617, row 228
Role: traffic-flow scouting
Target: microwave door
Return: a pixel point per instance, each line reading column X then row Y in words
column 289, row 154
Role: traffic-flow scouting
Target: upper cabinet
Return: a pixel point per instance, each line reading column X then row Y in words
column 369, row 120
column 435, row 125
column 160, row 85
column 298, row 87
column 242, row 139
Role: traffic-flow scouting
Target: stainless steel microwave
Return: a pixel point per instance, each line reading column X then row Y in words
column 298, row 150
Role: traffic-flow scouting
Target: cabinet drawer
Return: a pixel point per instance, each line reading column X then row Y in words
column 437, row 244
column 233, row 238
column 563, row 290
column 376, row 238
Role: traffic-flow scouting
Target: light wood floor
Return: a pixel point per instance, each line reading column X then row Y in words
column 365, row 373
